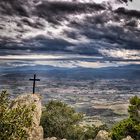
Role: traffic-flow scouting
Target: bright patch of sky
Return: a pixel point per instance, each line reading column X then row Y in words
column 45, row 56
column 134, row 5
column 121, row 53
column 131, row 5
column 61, row 60
column 64, row 63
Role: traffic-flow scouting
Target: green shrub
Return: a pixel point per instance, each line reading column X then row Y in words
column 58, row 118
column 62, row 121
column 125, row 128
column 130, row 126
column 84, row 132
column 13, row 122
column 134, row 109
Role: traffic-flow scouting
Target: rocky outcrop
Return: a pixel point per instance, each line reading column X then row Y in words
column 36, row 131
column 128, row 138
column 53, row 138
column 102, row 135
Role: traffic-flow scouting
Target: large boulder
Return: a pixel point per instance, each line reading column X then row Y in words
column 36, row 131
column 53, row 138
column 128, row 138
column 102, row 135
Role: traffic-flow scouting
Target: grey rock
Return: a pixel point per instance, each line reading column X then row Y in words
column 102, row 135
column 53, row 138
column 36, row 131
column 128, row 138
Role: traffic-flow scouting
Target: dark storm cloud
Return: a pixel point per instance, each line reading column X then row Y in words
column 41, row 43
column 126, row 35
column 14, row 7
column 110, row 31
column 104, row 28
column 67, row 7
column 56, row 11
column 46, row 8
column 38, row 44
column 128, row 13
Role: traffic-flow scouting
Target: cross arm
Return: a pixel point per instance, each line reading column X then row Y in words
column 34, row 79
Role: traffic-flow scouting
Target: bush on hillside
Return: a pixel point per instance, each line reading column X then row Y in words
column 58, row 118
column 86, row 132
column 130, row 126
column 62, row 121
column 13, row 121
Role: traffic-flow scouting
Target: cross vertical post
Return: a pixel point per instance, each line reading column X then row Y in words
column 34, row 81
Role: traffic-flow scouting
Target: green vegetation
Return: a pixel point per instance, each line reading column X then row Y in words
column 87, row 132
column 62, row 121
column 58, row 118
column 13, row 121
column 130, row 126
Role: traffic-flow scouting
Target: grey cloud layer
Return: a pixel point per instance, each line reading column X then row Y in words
column 95, row 27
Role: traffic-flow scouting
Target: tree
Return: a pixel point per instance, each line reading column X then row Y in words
column 130, row 126
column 86, row 132
column 62, row 121
column 57, row 119
column 134, row 109
column 13, row 121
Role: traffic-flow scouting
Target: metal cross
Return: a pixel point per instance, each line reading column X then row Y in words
column 34, row 80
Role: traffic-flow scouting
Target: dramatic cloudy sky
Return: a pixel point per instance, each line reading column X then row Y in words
column 40, row 29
